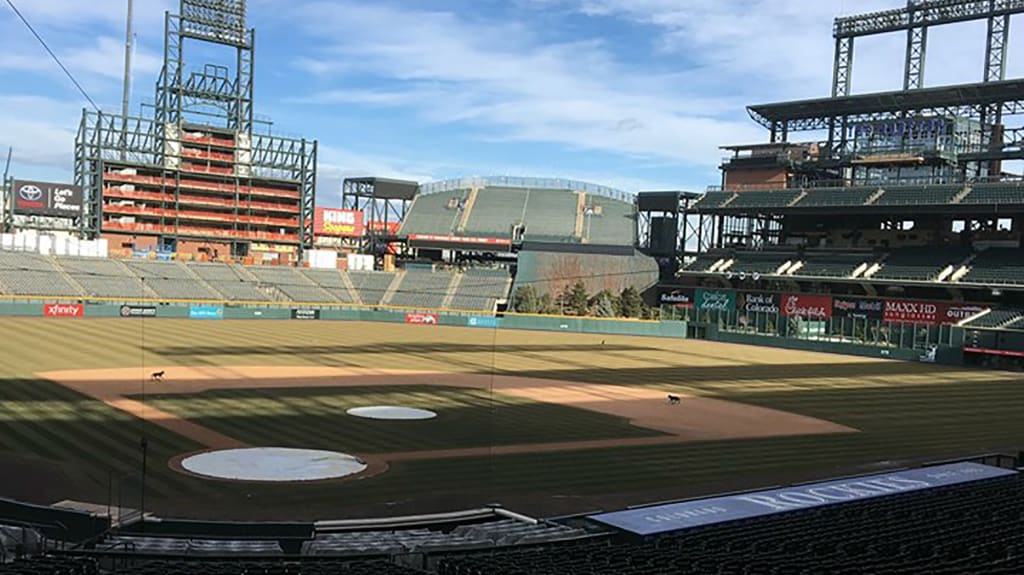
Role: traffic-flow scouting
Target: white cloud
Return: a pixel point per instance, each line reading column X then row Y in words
column 500, row 79
column 41, row 131
column 784, row 48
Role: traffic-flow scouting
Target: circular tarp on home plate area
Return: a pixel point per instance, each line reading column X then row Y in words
column 391, row 412
column 273, row 464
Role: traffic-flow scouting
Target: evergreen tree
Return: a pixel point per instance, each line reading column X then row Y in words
column 631, row 303
column 605, row 307
column 525, row 300
column 576, row 300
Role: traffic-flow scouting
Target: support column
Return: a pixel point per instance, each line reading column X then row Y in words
column 995, row 48
column 917, row 45
column 842, row 71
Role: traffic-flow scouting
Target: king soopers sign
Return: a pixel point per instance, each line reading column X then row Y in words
column 687, row 514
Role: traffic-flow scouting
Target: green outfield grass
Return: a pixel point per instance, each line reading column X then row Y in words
column 316, row 418
column 56, row 444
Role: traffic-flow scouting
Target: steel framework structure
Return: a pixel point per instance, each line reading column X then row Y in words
column 383, row 203
column 215, row 101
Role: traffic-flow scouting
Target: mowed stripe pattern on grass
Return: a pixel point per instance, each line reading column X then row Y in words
column 903, row 411
column 316, row 418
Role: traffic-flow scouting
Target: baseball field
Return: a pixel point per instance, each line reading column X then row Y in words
column 545, row 423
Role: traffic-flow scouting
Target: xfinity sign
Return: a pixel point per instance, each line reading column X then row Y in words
column 697, row 513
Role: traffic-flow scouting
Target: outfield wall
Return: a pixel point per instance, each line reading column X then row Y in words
column 55, row 311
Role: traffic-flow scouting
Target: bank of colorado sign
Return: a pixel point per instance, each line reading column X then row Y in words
column 701, row 512
column 910, row 311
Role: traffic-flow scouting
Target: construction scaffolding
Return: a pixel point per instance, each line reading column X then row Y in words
column 195, row 173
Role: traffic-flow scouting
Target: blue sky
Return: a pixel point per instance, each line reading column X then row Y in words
column 636, row 94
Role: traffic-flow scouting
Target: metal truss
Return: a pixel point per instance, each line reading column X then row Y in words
column 923, row 13
column 842, row 71
column 917, row 46
column 915, row 19
column 217, row 96
column 995, row 48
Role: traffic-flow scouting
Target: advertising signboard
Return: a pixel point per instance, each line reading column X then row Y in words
column 63, row 310
column 700, row 512
column 338, row 223
column 818, row 307
column 421, row 318
column 47, row 199
column 714, row 300
column 857, row 308
column 758, row 303
column 676, row 297
column 206, row 312
column 306, row 314
column 910, row 311
column 138, row 311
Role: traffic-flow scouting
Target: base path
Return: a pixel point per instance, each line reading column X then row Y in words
column 695, row 419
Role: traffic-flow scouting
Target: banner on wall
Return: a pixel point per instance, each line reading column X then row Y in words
column 138, row 311
column 63, row 310
column 911, row 311
column 857, row 308
column 817, row 307
column 482, row 321
column 338, row 223
column 714, row 300
column 676, row 297
column 206, row 312
column 306, row 314
column 421, row 318
column 758, row 303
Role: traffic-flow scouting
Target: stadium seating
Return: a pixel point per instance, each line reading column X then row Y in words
column 229, row 282
column 759, row 262
column 713, row 200
column 819, row 197
column 997, row 266
column 921, row 263
column 967, row 529
column 918, row 195
column 757, row 199
column 615, row 225
column 480, row 289
column 330, row 281
column 1016, row 324
column 101, row 277
column 496, row 210
column 422, row 289
column 246, row 566
column 831, row 265
column 997, row 318
column 703, row 262
column 371, row 286
column 204, row 547
column 292, row 284
column 430, row 214
column 549, row 215
column 170, row 280
column 995, row 193
column 23, row 273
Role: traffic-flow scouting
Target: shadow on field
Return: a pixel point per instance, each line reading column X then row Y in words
column 696, row 375
column 390, row 348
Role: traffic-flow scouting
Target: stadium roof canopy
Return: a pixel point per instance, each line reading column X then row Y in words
column 389, row 189
column 966, row 100
column 525, row 182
